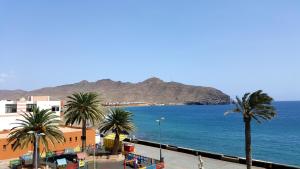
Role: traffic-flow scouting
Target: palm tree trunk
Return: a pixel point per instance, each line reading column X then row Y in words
column 83, row 137
column 33, row 155
column 248, row 143
column 116, row 144
column 38, row 157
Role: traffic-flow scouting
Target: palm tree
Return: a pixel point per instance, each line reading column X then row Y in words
column 38, row 121
column 257, row 106
column 83, row 108
column 118, row 121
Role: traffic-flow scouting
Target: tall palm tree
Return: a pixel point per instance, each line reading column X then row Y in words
column 118, row 121
column 38, row 121
column 257, row 106
column 83, row 108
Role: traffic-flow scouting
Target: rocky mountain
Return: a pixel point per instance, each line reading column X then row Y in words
column 150, row 91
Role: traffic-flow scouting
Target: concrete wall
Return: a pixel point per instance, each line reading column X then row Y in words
column 9, row 153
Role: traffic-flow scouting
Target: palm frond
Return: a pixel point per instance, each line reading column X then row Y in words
column 83, row 107
column 39, row 121
column 256, row 105
column 118, row 121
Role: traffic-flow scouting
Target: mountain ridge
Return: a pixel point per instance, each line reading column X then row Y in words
column 150, row 91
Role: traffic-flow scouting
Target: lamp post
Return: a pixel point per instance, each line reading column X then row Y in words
column 159, row 125
column 94, row 153
column 133, row 140
column 36, row 138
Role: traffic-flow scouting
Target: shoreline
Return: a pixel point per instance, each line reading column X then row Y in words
column 212, row 155
column 162, row 105
column 177, row 104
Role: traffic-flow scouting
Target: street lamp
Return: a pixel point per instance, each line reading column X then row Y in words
column 36, row 137
column 94, row 153
column 159, row 123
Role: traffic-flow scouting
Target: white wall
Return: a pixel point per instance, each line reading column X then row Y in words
column 48, row 105
column 2, row 106
column 6, row 122
column 6, row 119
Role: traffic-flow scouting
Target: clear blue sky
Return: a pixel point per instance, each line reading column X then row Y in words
column 235, row 46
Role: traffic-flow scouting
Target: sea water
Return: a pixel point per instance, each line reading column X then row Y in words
column 204, row 127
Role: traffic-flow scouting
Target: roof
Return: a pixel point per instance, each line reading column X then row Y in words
column 61, row 162
column 112, row 136
column 26, row 157
column 80, row 155
column 64, row 129
column 69, row 150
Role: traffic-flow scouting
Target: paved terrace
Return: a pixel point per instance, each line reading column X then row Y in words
column 177, row 160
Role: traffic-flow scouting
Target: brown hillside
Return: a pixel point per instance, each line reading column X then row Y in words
column 152, row 90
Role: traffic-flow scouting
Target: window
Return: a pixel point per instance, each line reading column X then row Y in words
column 29, row 107
column 70, row 139
column 76, row 139
column 55, row 108
column 11, row 108
column 64, row 140
column 4, row 147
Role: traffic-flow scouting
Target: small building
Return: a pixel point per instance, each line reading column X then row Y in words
column 72, row 140
column 10, row 110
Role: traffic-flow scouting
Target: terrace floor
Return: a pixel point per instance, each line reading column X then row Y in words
column 173, row 160
column 103, row 164
column 106, row 165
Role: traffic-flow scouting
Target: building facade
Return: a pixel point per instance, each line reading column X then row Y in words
column 11, row 110
column 72, row 140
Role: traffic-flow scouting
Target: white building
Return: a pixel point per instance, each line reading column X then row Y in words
column 11, row 110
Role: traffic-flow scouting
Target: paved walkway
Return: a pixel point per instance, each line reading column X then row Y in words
column 176, row 160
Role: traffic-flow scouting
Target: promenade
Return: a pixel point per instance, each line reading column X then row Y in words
column 173, row 160
column 177, row 160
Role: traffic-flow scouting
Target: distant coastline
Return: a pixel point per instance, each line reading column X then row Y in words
column 159, row 104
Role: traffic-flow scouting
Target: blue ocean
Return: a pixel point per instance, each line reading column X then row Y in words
column 206, row 128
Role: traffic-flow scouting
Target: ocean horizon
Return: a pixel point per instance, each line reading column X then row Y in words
column 206, row 128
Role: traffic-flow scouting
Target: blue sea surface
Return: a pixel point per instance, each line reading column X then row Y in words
column 206, row 128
